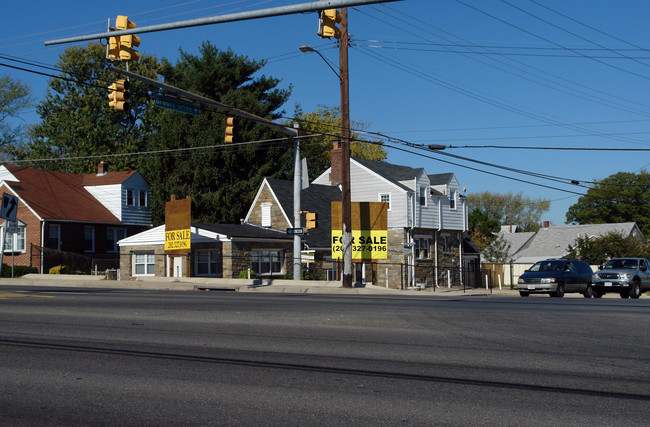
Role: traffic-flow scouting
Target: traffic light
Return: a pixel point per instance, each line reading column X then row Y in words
column 127, row 42
column 118, row 94
column 327, row 21
column 312, row 220
column 113, row 48
column 230, row 130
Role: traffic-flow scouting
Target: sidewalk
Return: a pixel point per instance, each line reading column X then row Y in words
column 240, row 285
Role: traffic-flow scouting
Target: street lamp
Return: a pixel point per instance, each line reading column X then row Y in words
column 306, row 48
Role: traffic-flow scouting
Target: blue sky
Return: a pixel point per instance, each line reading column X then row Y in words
column 488, row 77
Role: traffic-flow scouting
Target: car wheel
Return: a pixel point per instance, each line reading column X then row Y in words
column 523, row 293
column 589, row 292
column 624, row 294
column 597, row 294
column 635, row 290
column 559, row 291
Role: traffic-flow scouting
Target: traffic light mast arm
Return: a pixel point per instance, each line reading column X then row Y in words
column 198, row 98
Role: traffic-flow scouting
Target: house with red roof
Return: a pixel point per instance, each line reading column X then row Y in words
column 72, row 219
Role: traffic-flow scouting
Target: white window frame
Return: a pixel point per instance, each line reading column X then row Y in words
column 388, row 196
column 453, row 198
column 143, row 198
column 214, row 257
column 12, row 240
column 422, row 195
column 146, row 260
column 261, row 257
column 130, row 197
column 92, row 231
column 422, row 245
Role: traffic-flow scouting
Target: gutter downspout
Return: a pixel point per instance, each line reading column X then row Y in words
column 436, row 234
column 42, row 242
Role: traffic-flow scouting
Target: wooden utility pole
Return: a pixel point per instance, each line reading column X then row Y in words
column 346, row 214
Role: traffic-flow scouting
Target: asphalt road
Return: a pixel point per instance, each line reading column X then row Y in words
column 102, row 357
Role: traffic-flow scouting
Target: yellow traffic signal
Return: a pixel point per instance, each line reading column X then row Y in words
column 312, row 220
column 327, row 23
column 127, row 42
column 118, row 95
column 230, row 130
column 113, row 48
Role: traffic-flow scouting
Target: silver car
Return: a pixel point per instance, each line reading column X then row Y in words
column 630, row 277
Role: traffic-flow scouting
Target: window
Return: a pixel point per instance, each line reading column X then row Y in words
column 14, row 237
column 446, row 244
column 207, row 263
column 113, row 235
column 130, row 201
column 53, row 240
column 385, row 198
column 143, row 199
column 89, row 238
column 452, row 199
column 267, row 262
column 422, row 248
column 144, row 264
column 423, row 196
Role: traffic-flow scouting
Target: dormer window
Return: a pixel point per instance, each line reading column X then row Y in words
column 142, row 200
column 452, row 199
column 423, row 196
column 130, row 200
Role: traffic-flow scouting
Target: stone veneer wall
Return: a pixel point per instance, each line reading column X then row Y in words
column 126, row 260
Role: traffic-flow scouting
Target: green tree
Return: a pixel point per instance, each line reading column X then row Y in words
column 482, row 229
column 597, row 250
column 498, row 250
column 14, row 98
column 510, row 208
column 621, row 197
column 76, row 120
column 222, row 179
column 326, row 123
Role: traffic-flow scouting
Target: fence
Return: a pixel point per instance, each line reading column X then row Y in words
column 76, row 263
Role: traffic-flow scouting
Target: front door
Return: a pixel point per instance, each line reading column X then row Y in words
column 174, row 266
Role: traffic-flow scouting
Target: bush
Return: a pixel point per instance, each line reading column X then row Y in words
column 19, row 270
column 59, row 269
column 244, row 274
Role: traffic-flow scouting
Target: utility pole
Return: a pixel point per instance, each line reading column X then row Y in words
column 346, row 203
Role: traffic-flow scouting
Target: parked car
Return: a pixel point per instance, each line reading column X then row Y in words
column 556, row 277
column 630, row 277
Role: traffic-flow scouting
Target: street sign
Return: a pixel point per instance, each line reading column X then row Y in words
column 177, row 105
column 9, row 207
column 292, row 231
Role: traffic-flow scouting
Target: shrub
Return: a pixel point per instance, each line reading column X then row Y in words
column 59, row 269
column 244, row 274
column 19, row 270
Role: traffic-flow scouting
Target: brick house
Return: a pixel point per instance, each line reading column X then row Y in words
column 71, row 218
column 428, row 242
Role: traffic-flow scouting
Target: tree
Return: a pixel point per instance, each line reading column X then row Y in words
column 621, row 197
column 510, row 208
column 482, row 229
column 14, row 98
column 597, row 250
column 498, row 250
column 326, row 121
column 222, row 179
column 76, row 120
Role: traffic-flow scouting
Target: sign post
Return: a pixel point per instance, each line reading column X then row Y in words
column 178, row 240
column 369, row 231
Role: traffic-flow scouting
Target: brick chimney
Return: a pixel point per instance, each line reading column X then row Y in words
column 102, row 168
column 336, row 163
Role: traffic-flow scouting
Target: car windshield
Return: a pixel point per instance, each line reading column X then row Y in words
column 548, row 266
column 622, row 264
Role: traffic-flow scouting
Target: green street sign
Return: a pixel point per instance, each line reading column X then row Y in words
column 177, row 105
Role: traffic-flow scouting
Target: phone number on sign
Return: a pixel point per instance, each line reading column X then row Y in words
column 361, row 248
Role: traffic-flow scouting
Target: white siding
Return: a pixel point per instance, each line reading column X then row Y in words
column 365, row 186
column 110, row 196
